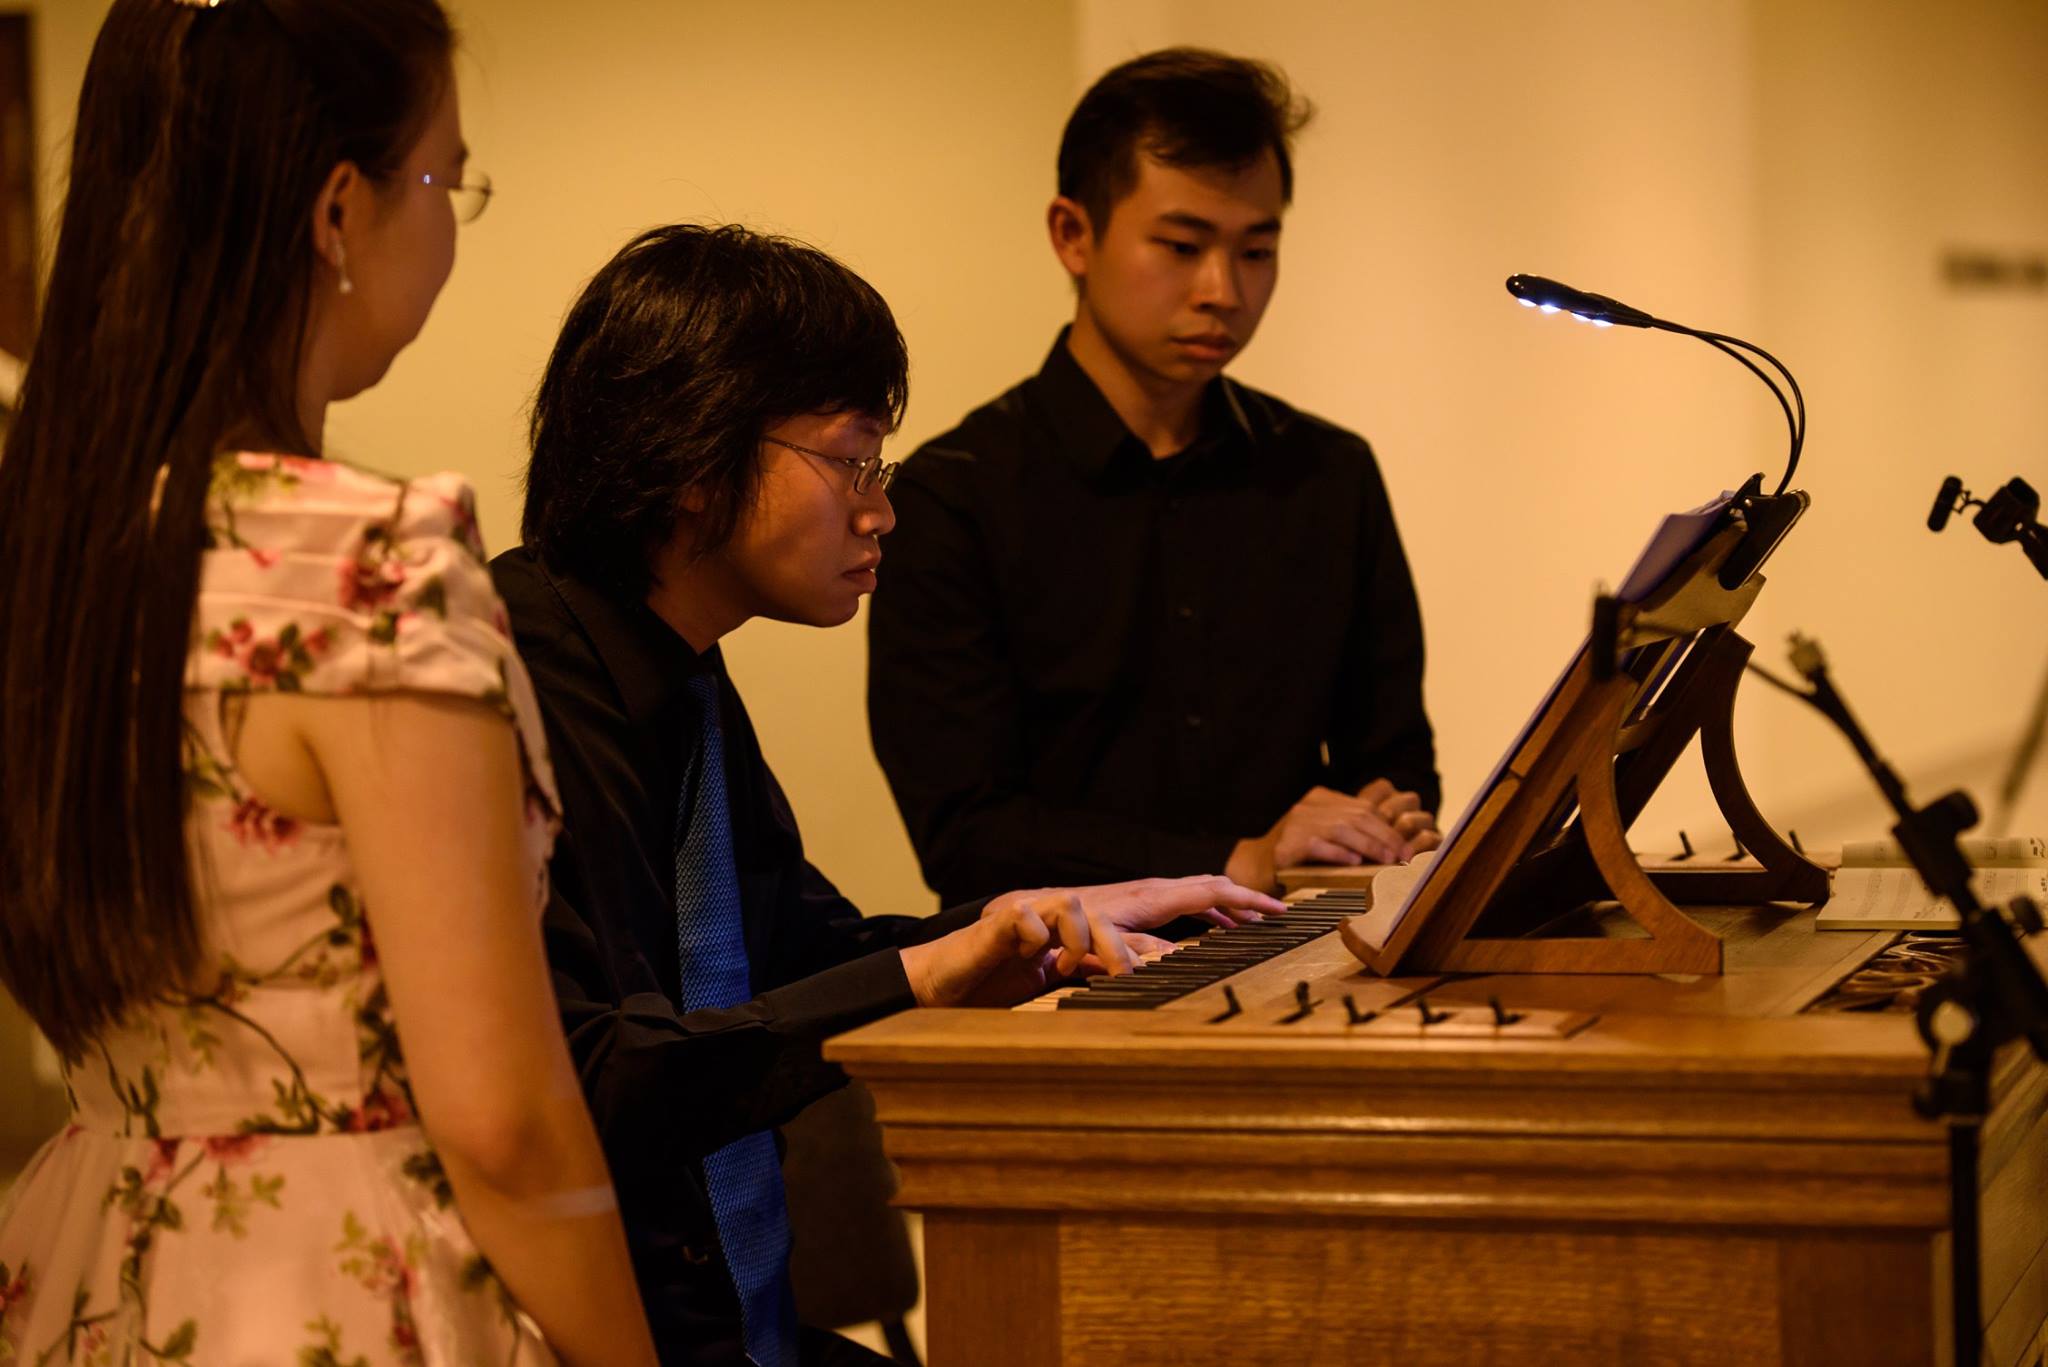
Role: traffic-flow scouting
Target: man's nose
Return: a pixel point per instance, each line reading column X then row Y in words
column 1216, row 284
column 875, row 515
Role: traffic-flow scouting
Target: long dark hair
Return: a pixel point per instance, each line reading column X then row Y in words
column 174, row 317
column 677, row 356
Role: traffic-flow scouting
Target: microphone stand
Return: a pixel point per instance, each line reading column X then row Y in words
column 2010, row 514
column 1994, row 995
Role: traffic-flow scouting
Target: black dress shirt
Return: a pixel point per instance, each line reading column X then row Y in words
column 666, row 1086
column 1089, row 664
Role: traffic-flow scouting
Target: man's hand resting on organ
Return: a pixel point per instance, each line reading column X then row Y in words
column 1380, row 824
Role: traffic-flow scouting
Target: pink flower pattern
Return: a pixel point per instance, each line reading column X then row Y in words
column 15, row 1292
column 254, row 822
column 227, row 1149
column 234, row 642
column 368, row 584
column 381, row 1110
column 163, row 1160
column 280, row 661
column 462, row 512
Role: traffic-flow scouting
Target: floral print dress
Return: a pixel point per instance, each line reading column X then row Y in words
column 244, row 1180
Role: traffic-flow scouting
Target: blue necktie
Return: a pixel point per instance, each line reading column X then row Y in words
column 744, row 1178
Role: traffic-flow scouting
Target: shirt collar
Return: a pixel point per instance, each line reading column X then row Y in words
column 1091, row 433
column 647, row 659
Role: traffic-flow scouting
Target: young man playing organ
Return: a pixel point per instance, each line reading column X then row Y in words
column 706, row 451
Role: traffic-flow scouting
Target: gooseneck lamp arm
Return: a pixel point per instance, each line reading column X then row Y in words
column 1549, row 296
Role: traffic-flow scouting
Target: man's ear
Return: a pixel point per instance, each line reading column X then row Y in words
column 336, row 210
column 1073, row 236
column 693, row 501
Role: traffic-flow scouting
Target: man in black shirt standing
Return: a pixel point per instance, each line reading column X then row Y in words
column 705, row 451
column 1137, row 616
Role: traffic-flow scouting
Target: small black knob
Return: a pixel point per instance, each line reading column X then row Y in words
column 1304, row 1005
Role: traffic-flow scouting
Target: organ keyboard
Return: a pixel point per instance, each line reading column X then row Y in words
column 1210, row 958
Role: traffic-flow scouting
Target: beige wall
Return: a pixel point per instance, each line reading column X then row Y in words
column 1783, row 169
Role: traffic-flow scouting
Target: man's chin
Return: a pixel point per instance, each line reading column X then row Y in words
column 1182, row 368
column 832, row 613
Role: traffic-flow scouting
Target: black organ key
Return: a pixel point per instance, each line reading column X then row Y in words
column 1089, row 1001
column 1219, row 954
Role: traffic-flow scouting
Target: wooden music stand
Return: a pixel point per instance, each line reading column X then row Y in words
column 1551, row 832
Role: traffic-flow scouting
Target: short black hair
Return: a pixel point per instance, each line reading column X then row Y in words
column 690, row 344
column 1186, row 107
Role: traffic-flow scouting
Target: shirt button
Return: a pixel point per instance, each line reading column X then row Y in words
column 1194, row 721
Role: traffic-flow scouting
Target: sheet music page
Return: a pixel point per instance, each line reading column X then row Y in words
column 1895, row 898
column 1678, row 536
column 1979, row 852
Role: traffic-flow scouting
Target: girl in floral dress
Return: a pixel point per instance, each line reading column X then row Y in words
column 275, row 805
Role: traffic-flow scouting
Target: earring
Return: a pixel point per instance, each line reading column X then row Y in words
column 348, row 286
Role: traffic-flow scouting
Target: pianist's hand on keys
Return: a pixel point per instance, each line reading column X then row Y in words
column 1027, row 941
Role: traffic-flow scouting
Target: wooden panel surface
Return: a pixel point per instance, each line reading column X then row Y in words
column 2014, row 1158
column 1436, row 1179
column 1858, row 1299
column 1274, row 1292
column 998, row 1277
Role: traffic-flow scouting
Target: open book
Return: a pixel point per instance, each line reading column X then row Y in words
column 1878, row 889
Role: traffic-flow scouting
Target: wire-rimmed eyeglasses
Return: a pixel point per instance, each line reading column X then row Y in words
column 470, row 197
column 871, row 472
